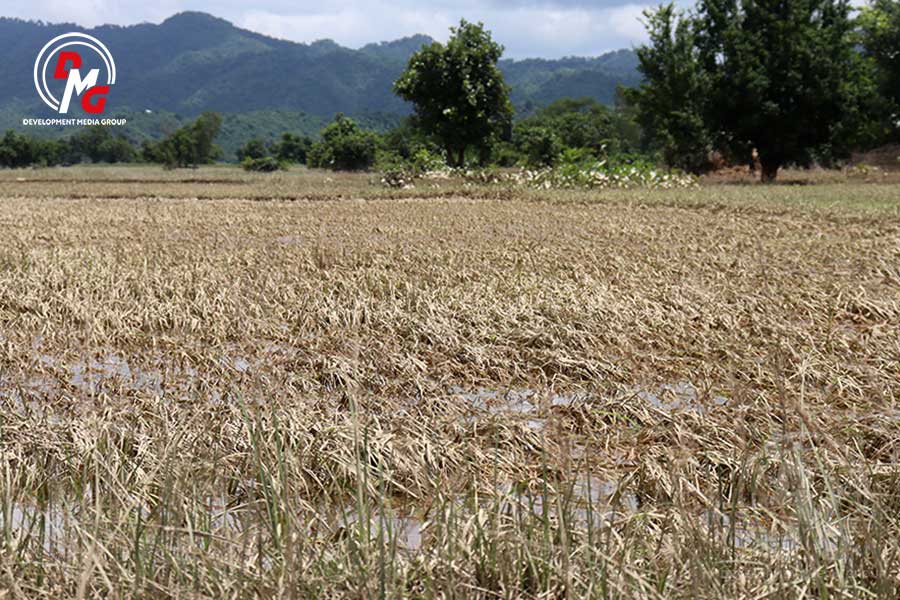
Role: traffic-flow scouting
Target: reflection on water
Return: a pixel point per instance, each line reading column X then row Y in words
column 682, row 395
column 109, row 372
column 405, row 531
column 535, row 407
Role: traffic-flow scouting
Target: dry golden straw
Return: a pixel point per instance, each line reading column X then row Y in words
column 220, row 385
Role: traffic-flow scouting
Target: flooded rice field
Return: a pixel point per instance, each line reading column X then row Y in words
column 293, row 387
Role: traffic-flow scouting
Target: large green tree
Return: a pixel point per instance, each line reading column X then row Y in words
column 880, row 25
column 783, row 74
column 671, row 104
column 458, row 91
column 780, row 76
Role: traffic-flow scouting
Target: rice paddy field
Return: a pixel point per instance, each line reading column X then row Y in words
column 304, row 385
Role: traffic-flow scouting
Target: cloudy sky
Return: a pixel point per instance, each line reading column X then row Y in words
column 545, row 28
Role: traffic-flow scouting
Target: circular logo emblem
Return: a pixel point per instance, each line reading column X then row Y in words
column 66, row 54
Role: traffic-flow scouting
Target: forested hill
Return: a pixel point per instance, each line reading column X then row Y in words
column 194, row 62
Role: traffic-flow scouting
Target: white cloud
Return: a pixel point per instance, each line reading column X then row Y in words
column 91, row 13
column 547, row 28
column 628, row 21
column 526, row 31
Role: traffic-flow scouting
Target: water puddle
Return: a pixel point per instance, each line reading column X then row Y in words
column 535, row 407
column 110, row 371
column 682, row 395
column 527, row 403
column 289, row 240
column 21, row 522
column 113, row 370
column 240, row 364
column 406, row 531
column 748, row 536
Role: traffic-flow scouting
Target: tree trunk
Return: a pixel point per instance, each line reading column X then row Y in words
column 456, row 157
column 451, row 160
column 769, row 169
column 484, row 155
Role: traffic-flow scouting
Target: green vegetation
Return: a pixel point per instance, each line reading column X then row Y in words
column 190, row 146
column 671, row 103
column 17, row 151
column 458, row 92
column 730, row 82
column 93, row 144
column 784, row 78
column 177, row 58
column 572, row 124
column 880, row 36
column 98, row 144
column 256, row 155
column 254, row 148
column 292, row 148
column 263, row 164
column 344, row 147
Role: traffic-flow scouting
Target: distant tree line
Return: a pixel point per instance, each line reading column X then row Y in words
column 797, row 82
column 191, row 145
column 93, row 144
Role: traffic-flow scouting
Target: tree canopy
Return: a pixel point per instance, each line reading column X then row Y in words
column 880, row 27
column 781, row 77
column 189, row 146
column 344, row 147
column 458, row 92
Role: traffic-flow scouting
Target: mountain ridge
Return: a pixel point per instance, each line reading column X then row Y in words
column 193, row 61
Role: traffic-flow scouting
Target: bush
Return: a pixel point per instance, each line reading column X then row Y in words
column 98, row 145
column 398, row 172
column 292, row 148
column 264, row 164
column 189, row 146
column 16, row 150
column 344, row 147
column 94, row 144
column 506, row 154
column 253, row 149
column 540, row 146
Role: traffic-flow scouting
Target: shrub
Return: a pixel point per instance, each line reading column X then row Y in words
column 99, row 145
column 189, row 146
column 344, row 147
column 540, row 146
column 398, row 172
column 292, row 148
column 17, row 151
column 253, row 149
column 264, row 164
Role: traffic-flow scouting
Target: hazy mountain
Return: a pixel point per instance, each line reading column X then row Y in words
column 193, row 62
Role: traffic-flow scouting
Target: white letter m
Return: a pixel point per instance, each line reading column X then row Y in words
column 78, row 85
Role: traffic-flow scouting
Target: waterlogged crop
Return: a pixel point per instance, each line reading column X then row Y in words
column 224, row 384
